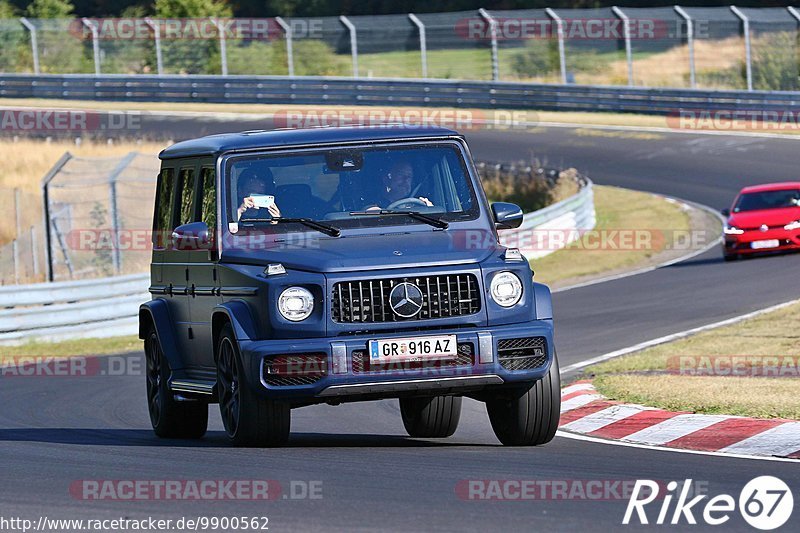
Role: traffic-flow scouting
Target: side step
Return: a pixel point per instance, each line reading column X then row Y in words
column 193, row 386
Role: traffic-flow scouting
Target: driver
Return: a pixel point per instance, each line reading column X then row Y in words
column 396, row 185
column 251, row 182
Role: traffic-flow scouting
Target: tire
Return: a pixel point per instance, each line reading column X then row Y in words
column 170, row 418
column 433, row 418
column 249, row 419
column 530, row 417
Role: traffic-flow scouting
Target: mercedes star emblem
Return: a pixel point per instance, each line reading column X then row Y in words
column 405, row 300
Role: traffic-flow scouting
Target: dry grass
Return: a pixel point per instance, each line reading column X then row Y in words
column 617, row 209
column 670, row 68
column 107, row 346
column 31, row 159
column 642, row 377
column 756, row 397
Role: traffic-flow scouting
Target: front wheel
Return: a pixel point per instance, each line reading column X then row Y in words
column 432, row 418
column 169, row 417
column 529, row 417
column 249, row 419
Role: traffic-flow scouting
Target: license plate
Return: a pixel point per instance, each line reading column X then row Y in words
column 760, row 245
column 413, row 349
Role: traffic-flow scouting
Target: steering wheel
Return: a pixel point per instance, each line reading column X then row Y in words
column 406, row 202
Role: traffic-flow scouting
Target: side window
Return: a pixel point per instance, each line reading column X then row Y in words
column 165, row 201
column 208, row 197
column 188, row 178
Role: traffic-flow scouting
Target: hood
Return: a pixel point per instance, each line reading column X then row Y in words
column 395, row 249
column 770, row 217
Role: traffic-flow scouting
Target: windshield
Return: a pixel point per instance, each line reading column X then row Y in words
column 339, row 187
column 767, row 200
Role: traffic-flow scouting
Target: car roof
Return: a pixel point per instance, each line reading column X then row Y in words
column 250, row 140
column 786, row 185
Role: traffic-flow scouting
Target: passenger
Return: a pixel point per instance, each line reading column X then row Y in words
column 255, row 182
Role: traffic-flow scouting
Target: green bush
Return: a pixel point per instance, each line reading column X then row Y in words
column 526, row 185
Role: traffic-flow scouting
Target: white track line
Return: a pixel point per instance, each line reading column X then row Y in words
column 675, row 336
column 596, row 440
column 674, row 428
column 780, row 440
column 601, row 419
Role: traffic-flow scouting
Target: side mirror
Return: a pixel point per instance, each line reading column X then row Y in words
column 725, row 212
column 507, row 215
column 192, row 236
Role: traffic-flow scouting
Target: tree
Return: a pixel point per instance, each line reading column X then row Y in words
column 50, row 9
column 192, row 8
column 7, row 10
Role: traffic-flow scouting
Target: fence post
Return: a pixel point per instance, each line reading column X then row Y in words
column 287, row 31
column 92, row 25
column 493, row 32
column 690, row 43
column 34, row 44
column 423, row 43
column 353, row 42
column 34, row 255
column 46, row 210
column 157, row 37
column 223, row 48
column 747, row 49
column 626, row 32
column 15, row 254
column 116, row 256
column 562, row 56
column 17, row 213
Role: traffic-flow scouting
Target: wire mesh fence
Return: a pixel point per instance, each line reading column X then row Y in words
column 704, row 47
column 92, row 219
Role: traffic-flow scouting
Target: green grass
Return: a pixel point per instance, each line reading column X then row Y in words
column 643, row 377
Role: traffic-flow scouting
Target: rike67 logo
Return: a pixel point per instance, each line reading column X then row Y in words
column 765, row 503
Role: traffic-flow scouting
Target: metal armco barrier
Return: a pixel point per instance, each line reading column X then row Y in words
column 390, row 92
column 102, row 307
column 547, row 230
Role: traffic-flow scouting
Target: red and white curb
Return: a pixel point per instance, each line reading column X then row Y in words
column 586, row 412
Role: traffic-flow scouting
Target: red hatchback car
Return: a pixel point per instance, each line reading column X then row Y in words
column 763, row 218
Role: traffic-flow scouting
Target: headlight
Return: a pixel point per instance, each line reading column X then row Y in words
column 506, row 289
column 295, row 304
column 732, row 230
column 792, row 225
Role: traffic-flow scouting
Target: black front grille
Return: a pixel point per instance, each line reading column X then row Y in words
column 294, row 370
column 465, row 357
column 367, row 301
column 525, row 353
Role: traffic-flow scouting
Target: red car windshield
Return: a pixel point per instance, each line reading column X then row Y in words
column 768, row 200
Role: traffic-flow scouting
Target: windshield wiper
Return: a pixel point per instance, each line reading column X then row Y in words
column 416, row 215
column 307, row 222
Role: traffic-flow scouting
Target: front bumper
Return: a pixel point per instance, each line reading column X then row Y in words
column 742, row 244
column 344, row 375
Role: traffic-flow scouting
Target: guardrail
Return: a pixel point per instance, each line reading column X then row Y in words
column 108, row 307
column 393, row 92
column 102, row 307
column 547, row 230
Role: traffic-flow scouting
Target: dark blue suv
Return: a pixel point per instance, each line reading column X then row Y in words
column 329, row 265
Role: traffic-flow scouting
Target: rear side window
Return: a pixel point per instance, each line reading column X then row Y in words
column 188, row 180
column 165, row 201
column 208, row 197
